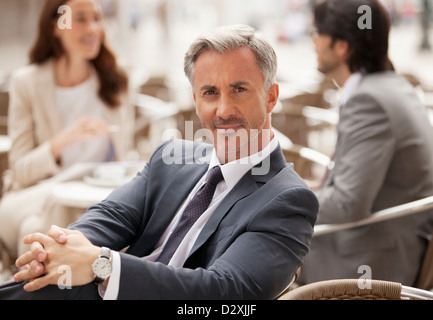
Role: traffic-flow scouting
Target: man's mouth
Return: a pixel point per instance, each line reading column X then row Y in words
column 228, row 126
column 228, row 129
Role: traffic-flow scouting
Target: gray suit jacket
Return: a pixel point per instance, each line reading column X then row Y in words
column 249, row 249
column 383, row 158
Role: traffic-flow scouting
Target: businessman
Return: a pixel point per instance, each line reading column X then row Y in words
column 383, row 156
column 249, row 241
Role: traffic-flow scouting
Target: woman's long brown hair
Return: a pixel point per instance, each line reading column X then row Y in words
column 113, row 80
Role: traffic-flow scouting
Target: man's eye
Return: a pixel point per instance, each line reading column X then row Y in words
column 240, row 89
column 209, row 93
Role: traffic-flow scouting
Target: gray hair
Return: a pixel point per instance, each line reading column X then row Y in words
column 227, row 38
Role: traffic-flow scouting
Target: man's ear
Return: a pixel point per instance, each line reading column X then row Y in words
column 273, row 94
column 342, row 49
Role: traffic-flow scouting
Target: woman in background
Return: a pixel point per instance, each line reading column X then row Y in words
column 70, row 105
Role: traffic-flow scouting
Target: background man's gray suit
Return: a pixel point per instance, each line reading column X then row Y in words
column 383, row 158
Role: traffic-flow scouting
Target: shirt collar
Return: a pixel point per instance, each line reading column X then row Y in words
column 350, row 86
column 235, row 170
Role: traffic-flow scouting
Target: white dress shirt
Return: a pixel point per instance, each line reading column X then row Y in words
column 350, row 86
column 232, row 173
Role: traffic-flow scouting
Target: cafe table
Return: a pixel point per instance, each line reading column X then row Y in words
column 79, row 188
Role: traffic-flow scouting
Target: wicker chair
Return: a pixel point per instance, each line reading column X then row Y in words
column 356, row 289
column 308, row 163
column 425, row 277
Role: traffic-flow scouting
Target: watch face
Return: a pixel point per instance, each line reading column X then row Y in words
column 102, row 268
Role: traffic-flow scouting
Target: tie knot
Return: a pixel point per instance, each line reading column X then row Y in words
column 215, row 176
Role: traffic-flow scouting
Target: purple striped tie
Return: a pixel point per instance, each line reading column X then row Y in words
column 192, row 212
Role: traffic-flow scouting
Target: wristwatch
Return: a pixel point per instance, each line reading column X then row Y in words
column 102, row 266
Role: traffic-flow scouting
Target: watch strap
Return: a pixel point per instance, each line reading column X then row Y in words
column 98, row 280
column 105, row 253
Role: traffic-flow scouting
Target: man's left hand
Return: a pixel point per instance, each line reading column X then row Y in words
column 50, row 254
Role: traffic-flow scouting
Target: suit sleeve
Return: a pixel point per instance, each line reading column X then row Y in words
column 364, row 151
column 116, row 221
column 259, row 264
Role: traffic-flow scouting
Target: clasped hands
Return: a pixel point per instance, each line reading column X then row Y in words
column 49, row 253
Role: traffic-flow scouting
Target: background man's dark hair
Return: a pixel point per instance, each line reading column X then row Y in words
column 369, row 46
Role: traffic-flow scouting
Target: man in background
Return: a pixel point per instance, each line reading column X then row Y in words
column 383, row 156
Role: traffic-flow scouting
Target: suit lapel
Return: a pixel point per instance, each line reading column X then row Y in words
column 246, row 186
column 183, row 182
column 175, row 195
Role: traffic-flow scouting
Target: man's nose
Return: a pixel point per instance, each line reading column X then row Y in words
column 226, row 107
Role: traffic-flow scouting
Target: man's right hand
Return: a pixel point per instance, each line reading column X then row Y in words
column 32, row 262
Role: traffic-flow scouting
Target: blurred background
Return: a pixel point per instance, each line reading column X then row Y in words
column 151, row 37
